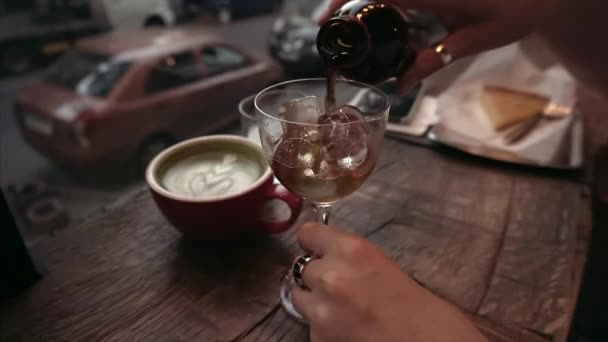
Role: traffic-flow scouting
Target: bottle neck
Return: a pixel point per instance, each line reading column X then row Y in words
column 343, row 42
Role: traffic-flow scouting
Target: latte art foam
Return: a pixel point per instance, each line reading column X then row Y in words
column 211, row 174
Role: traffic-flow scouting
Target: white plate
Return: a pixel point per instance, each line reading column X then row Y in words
column 569, row 154
column 464, row 123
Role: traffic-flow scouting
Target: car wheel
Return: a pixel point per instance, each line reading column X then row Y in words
column 154, row 22
column 30, row 192
column 47, row 215
column 16, row 58
column 150, row 149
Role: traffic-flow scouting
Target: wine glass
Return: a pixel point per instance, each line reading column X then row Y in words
column 249, row 121
column 319, row 150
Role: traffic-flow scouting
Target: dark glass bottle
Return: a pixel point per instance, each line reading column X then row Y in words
column 366, row 41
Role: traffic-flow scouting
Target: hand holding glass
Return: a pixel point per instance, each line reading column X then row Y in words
column 322, row 156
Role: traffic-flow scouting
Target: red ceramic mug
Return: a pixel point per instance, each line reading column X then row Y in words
column 219, row 187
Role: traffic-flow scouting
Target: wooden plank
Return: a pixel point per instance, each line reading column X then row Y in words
column 583, row 239
column 505, row 333
column 535, row 274
column 446, row 258
column 277, row 327
column 449, row 227
column 148, row 283
column 129, row 275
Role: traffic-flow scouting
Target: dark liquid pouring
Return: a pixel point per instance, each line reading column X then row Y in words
column 330, row 97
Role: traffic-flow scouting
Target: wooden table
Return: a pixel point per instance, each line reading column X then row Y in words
column 506, row 245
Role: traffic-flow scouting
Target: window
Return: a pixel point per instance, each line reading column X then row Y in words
column 219, row 59
column 87, row 73
column 173, row 72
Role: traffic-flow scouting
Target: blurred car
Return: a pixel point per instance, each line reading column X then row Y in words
column 129, row 14
column 115, row 14
column 65, row 9
column 293, row 40
column 238, row 7
column 46, row 29
column 126, row 96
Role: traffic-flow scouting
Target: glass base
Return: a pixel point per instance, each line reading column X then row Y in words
column 287, row 284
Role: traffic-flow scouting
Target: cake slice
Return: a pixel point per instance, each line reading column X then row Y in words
column 506, row 107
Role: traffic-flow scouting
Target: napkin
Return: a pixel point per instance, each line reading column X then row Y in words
column 423, row 116
column 460, row 108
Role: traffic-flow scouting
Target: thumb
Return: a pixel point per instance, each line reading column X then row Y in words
column 461, row 43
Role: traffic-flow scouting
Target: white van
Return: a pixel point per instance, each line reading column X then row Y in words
column 130, row 14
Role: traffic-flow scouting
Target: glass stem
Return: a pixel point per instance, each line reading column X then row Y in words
column 323, row 213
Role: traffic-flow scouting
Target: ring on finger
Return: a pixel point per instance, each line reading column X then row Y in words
column 443, row 53
column 298, row 268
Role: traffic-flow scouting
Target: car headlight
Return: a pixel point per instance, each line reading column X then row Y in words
column 293, row 46
column 298, row 44
column 279, row 25
column 286, row 46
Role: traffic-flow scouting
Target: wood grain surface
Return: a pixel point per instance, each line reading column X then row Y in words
column 504, row 245
column 511, row 246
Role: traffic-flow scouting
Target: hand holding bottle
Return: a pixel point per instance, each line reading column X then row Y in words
column 474, row 26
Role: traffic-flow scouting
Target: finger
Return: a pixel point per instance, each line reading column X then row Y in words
column 317, row 239
column 303, row 302
column 462, row 43
column 312, row 273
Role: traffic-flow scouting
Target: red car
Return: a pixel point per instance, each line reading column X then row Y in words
column 125, row 96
